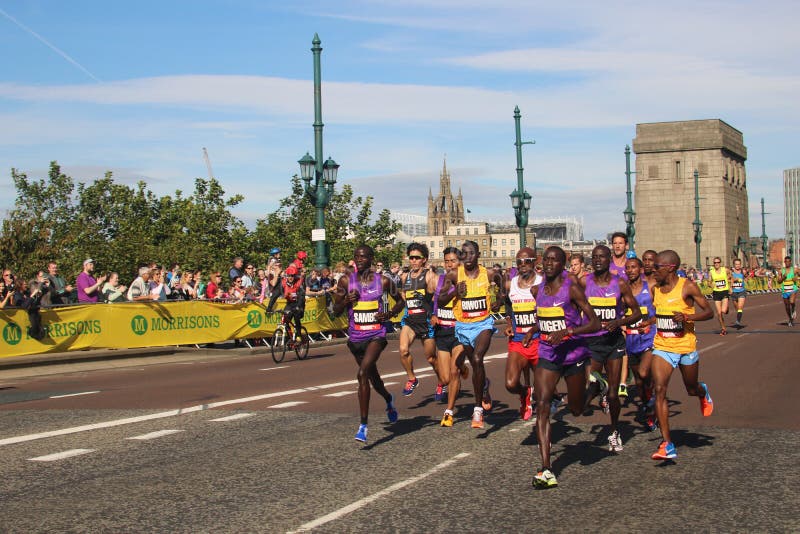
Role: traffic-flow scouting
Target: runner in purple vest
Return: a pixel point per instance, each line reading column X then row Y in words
column 562, row 350
column 609, row 296
column 362, row 294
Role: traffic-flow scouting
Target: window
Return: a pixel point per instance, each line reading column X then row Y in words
column 504, row 253
column 494, row 241
column 441, row 243
column 474, row 231
column 678, row 172
column 458, row 242
column 458, row 231
column 494, row 253
column 504, row 244
column 512, row 241
column 484, row 242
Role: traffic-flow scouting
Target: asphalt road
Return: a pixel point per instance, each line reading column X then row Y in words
column 138, row 446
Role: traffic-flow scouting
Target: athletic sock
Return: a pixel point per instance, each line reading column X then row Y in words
column 738, row 315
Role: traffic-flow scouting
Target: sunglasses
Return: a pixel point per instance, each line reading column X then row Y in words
column 523, row 261
column 716, row 263
column 415, row 258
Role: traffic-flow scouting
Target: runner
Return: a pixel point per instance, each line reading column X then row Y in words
column 619, row 248
column 677, row 301
column 577, row 265
column 648, row 266
column 474, row 322
column 449, row 351
column 639, row 337
column 418, row 286
column 522, row 318
column 608, row 295
column 562, row 351
column 361, row 293
column 788, row 280
column 721, row 284
column 738, row 291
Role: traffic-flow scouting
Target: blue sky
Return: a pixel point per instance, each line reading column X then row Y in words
column 140, row 88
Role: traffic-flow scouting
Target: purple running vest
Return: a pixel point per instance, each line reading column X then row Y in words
column 635, row 342
column 556, row 312
column 606, row 301
column 363, row 325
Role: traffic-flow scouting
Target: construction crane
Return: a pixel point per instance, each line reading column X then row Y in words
column 208, row 164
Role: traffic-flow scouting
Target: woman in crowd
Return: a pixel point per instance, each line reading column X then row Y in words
column 112, row 290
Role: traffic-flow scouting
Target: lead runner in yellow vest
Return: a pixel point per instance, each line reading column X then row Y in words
column 679, row 304
column 721, row 288
column 474, row 321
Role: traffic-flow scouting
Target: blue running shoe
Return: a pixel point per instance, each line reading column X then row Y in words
column 666, row 451
column 411, row 385
column 361, row 435
column 391, row 411
column 706, row 404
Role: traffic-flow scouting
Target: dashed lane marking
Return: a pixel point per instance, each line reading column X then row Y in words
column 196, row 408
column 156, row 434
column 74, row 394
column 273, row 368
column 233, row 417
column 61, row 455
column 341, row 512
column 341, row 393
column 287, row 404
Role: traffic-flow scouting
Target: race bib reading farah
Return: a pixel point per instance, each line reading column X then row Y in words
column 550, row 320
column 524, row 316
column 364, row 316
column 666, row 325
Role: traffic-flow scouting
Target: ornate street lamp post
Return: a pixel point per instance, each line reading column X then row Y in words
column 630, row 214
column 520, row 199
column 697, row 224
column 764, row 248
column 322, row 173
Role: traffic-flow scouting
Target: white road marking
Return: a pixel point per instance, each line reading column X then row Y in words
column 156, row 434
column 341, row 393
column 233, row 417
column 273, row 368
column 287, row 404
column 61, row 455
column 341, row 512
column 74, row 394
column 196, row 408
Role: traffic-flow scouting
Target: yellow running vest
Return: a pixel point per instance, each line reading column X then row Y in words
column 475, row 306
column 670, row 335
column 719, row 280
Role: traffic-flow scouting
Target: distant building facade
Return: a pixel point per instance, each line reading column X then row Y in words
column 667, row 154
column 444, row 210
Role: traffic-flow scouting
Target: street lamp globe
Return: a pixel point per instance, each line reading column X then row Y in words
column 515, row 199
column 329, row 171
column 307, row 165
column 526, row 201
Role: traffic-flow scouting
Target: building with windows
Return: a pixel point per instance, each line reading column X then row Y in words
column 667, row 156
column 445, row 209
column 411, row 224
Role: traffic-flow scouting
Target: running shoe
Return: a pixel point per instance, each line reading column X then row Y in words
column 651, row 423
column 477, row 418
column 737, row 323
column 441, row 390
column 615, row 442
column 464, row 371
column 391, row 411
column 666, row 451
column 411, row 385
column 544, row 479
column 486, row 403
column 525, row 404
column 447, row 419
column 604, row 404
column 706, row 404
column 723, row 332
column 555, row 403
column 361, row 435
column 794, row 314
column 623, row 390
column 790, row 323
column 595, row 376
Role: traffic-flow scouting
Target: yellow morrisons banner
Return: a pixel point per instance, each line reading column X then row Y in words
column 152, row 324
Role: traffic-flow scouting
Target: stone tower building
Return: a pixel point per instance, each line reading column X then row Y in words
column 667, row 154
column 444, row 210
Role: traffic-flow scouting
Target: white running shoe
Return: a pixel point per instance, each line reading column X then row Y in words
column 615, row 442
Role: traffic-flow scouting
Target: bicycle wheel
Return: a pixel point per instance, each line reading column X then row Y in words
column 301, row 347
column 278, row 344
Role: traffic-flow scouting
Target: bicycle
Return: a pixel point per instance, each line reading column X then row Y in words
column 284, row 338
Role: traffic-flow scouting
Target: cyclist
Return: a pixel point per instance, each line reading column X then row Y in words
column 293, row 288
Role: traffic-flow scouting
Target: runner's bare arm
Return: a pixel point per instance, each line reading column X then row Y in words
column 630, row 302
column 692, row 295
